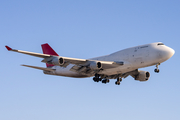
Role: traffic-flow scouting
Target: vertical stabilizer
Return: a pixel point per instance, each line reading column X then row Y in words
column 48, row 50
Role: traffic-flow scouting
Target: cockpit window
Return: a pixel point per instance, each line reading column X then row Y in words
column 160, row 44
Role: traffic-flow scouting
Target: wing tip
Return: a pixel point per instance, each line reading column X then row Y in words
column 8, row 48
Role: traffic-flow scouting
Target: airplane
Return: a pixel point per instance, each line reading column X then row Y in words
column 117, row 65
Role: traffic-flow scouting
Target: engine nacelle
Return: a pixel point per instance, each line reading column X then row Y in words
column 95, row 65
column 57, row 61
column 142, row 75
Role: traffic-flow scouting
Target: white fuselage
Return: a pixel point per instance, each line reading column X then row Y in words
column 133, row 58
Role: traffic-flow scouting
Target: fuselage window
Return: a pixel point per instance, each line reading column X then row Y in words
column 160, row 44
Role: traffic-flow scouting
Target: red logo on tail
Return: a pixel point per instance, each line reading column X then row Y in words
column 48, row 50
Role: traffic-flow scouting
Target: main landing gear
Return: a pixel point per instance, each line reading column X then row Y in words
column 157, row 69
column 97, row 79
column 118, row 81
column 104, row 80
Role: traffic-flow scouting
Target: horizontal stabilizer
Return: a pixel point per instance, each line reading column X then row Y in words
column 40, row 68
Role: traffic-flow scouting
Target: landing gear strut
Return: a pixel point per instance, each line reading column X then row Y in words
column 118, row 81
column 157, row 69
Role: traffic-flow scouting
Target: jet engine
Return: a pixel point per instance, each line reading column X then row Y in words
column 57, row 61
column 142, row 75
column 95, row 65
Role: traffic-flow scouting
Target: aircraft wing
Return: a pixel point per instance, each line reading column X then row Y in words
column 40, row 68
column 64, row 61
column 46, row 56
column 93, row 66
column 28, row 53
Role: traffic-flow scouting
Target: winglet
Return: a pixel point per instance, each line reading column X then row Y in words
column 8, row 48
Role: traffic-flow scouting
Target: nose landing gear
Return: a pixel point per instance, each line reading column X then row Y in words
column 157, row 69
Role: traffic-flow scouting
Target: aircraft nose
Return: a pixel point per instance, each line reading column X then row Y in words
column 168, row 53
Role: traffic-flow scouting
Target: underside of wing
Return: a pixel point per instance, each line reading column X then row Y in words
column 40, row 68
column 91, row 67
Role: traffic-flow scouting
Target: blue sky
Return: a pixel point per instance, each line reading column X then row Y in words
column 86, row 29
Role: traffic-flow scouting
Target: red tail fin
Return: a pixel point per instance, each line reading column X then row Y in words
column 48, row 50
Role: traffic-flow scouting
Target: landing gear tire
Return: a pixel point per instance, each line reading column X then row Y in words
column 117, row 82
column 105, row 81
column 156, row 70
column 96, row 79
